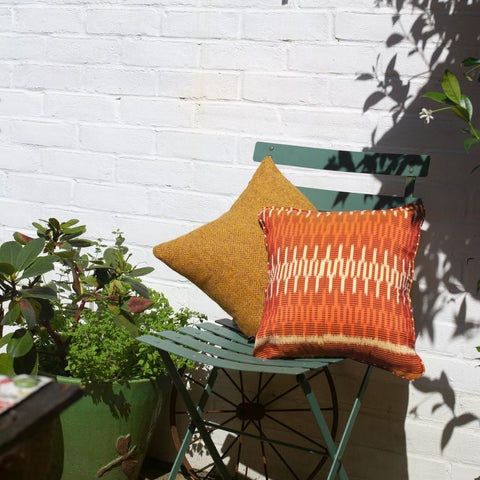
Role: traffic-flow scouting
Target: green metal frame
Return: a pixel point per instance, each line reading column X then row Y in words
column 222, row 348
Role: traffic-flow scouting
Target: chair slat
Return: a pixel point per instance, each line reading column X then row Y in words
column 345, row 201
column 405, row 165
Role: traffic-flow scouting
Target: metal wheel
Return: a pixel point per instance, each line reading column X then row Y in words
column 265, row 405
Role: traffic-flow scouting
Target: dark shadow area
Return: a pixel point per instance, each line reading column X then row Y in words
column 441, row 35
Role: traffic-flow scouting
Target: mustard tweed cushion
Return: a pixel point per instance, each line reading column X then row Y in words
column 226, row 258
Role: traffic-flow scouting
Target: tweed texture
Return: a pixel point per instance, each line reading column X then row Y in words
column 339, row 285
column 226, row 258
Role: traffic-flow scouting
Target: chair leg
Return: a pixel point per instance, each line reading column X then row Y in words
column 350, row 423
column 196, row 423
column 336, row 453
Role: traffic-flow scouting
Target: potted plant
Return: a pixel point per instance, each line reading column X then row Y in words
column 72, row 307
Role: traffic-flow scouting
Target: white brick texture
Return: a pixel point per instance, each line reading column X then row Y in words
column 143, row 114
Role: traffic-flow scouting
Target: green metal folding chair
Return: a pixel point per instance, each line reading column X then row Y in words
column 222, row 349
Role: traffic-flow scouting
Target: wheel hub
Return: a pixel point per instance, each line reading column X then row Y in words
column 250, row 411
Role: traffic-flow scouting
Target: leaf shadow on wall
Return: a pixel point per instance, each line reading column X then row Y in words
column 448, row 263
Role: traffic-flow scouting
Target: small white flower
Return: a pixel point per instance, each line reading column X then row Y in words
column 426, row 114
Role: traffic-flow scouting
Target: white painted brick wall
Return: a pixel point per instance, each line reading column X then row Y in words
column 142, row 115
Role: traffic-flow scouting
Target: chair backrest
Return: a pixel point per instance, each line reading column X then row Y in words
column 408, row 166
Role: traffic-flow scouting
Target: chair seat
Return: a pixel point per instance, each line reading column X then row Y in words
column 222, row 347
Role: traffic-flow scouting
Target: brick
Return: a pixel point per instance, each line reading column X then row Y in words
column 286, row 25
column 366, row 93
column 241, row 4
column 119, row 80
column 6, row 19
column 5, row 74
column 131, row 21
column 347, row 4
column 200, row 85
column 201, row 24
column 188, row 205
column 326, row 123
column 427, row 468
column 5, row 130
column 424, row 438
column 154, row 111
column 51, row 134
column 106, row 197
column 90, row 108
column 20, row 159
column 16, row 47
column 196, row 146
column 158, row 172
column 82, row 50
column 244, row 55
column 117, row 139
column 147, row 231
column 285, row 89
column 78, row 164
column 166, row 3
column 20, row 103
column 371, row 26
column 243, row 118
column 46, row 19
column 464, row 472
column 18, row 215
column 48, row 77
column 331, row 58
column 39, row 189
column 100, row 224
column 160, row 53
column 219, row 178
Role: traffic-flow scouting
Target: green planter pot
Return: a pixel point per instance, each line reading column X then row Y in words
column 106, row 433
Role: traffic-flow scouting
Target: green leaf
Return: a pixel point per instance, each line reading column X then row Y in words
column 9, row 252
column 27, row 363
column 5, row 339
column 47, row 293
column 54, row 223
column 21, row 238
column 41, row 230
column 139, row 287
column 461, row 113
column 6, row 365
column 7, row 269
column 29, row 253
column 29, row 313
column 467, row 105
column 80, row 243
column 40, row 266
column 467, row 144
column 20, row 343
column 470, row 61
column 110, row 256
column 121, row 322
column 12, row 315
column 69, row 223
column 451, row 87
column 437, row 97
column 140, row 272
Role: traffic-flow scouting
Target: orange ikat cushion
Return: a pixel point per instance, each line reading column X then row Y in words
column 339, row 286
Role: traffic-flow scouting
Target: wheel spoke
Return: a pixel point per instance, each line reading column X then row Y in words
column 291, row 389
column 296, row 432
